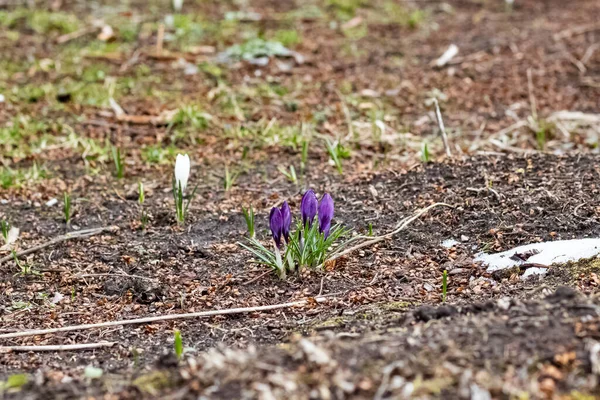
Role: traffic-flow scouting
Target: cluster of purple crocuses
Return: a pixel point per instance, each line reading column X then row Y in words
column 280, row 219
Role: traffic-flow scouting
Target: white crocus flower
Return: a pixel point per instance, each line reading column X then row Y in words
column 177, row 5
column 182, row 171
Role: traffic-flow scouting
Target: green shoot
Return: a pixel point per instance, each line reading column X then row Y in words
column 305, row 143
column 141, row 199
column 25, row 268
column 178, row 344
column 337, row 152
column 249, row 217
column 377, row 125
column 540, row 137
column 141, row 194
column 67, row 207
column 180, row 206
column 136, row 357
column 291, row 175
column 118, row 161
column 5, row 229
column 425, row 155
column 444, row 285
column 13, row 383
column 245, row 152
column 370, row 227
column 229, row 179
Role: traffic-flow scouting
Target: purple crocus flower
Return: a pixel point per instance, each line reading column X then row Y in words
column 325, row 214
column 276, row 225
column 308, row 207
column 286, row 217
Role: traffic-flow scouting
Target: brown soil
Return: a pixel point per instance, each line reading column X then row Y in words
column 384, row 331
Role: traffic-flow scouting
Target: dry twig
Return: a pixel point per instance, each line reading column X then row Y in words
column 579, row 30
column 118, row 275
column 168, row 317
column 60, row 347
column 71, row 235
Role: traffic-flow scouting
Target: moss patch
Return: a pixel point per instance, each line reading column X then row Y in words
column 573, row 271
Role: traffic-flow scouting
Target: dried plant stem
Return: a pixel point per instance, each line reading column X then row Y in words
column 168, row 317
column 532, row 101
column 438, row 115
column 346, row 115
column 160, row 37
column 399, row 227
column 71, row 235
column 60, row 347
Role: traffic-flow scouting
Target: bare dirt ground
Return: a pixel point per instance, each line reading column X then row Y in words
column 520, row 172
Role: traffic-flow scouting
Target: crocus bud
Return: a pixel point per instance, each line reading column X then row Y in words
column 286, row 216
column 308, row 207
column 276, row 225
column 325, row 214
column 182, row 171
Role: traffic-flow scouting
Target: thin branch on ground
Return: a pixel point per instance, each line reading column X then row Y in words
column 60, row 347
column 115, row 275
column 167, row 317
column 77, row 34
column 71, row 235
column 579, row 30
column 399, row 227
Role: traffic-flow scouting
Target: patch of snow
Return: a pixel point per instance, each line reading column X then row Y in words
column 57, row 298
column 448, row 243
column 478, row 393
column 549, row 253
column 534, row 271
column 190, row 69
column 594, row 349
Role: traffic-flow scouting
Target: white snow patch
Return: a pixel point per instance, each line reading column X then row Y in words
column 534, row 271
column 448, row 243
column 560, row 251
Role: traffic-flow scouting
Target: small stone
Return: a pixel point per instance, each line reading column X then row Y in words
column 504, row 303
